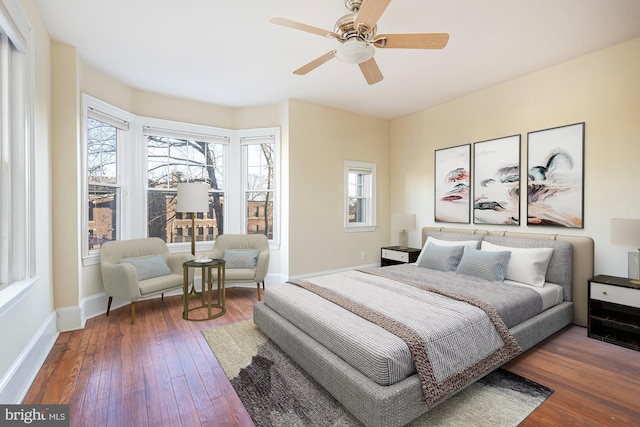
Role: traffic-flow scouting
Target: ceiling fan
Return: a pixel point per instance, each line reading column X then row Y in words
column 356, row 31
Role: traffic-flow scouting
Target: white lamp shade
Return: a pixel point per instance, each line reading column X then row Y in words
column 625, row 232
column 403, row 221
column 193, row 197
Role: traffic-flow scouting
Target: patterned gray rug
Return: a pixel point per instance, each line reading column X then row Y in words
column 277, row 392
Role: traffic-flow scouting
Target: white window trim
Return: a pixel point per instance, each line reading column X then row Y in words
column 370, row 224
column 118, row 115
column 18, row 201
column 250, row 136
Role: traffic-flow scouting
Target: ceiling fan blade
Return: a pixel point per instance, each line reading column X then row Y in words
column 371, row 71
column 369, row 13
column 302, row 27
column 412, row 41
column 315, row 63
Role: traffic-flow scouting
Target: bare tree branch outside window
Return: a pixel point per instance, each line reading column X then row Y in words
column 171, row 161
column 260, row 186
column 103, row 183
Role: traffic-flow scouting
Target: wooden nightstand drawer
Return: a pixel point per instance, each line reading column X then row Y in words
column 392, row 255
column 615, row 294
column 395, row 255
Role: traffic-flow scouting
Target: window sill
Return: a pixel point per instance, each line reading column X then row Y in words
column 91, row 259
column 12, row 293
column 360, row 228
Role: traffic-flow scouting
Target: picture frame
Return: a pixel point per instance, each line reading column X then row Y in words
column 555, row 176
column 452, row 184
column 496, row 181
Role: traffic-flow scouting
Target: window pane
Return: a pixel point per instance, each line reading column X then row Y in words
column 260, row 213
column 259, row 166
column 103, row 214
column 172, row 160
column 357, row 210
column 359, row 184
column 259, row 188
column 102, row 143
column 177, row 228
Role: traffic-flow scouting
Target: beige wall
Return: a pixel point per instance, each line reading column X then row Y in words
column 99, row 85
column 320, row 140
column 601, row 89
column 66, row 182
column 182, row 110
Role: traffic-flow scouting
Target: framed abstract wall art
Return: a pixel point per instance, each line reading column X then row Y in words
column 496, row 181
column 555, row 176
column 452, row 186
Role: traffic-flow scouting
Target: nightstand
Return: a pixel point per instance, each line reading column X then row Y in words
column 392, row 255
column 614, row 311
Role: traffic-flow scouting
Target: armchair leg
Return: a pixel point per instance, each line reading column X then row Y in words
column 109, row 305
column 133, row 312
column 258, row 284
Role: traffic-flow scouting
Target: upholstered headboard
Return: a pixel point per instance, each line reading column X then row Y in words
column 573, row 281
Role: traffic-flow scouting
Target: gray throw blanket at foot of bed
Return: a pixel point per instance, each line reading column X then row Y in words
column 434, row 336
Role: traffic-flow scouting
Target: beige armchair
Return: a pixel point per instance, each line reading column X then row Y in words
column 247, row 257
column 133, row 269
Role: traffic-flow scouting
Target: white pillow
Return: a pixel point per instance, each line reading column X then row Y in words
column 526, row 265
column 470, row 243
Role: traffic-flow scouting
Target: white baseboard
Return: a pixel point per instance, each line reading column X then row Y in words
column 16, row 382
column 69, row 318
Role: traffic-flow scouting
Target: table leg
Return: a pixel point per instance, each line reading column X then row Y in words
column 202, row 288
column 224, row 285
column 210, row 291
column 185, row 292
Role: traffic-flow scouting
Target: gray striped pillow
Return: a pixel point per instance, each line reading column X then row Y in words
column 484, row 264
column 148, row 267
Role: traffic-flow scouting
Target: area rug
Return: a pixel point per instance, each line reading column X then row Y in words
column 278, row 393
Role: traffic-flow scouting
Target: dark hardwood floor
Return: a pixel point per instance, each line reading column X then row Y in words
column 161, row 372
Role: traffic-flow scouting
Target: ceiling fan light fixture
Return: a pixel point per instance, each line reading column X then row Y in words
column 355, row 52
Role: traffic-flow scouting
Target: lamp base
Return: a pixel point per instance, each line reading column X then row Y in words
column 404, row 239
column 193, row 293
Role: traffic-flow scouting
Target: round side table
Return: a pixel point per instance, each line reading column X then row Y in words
column 206, row 266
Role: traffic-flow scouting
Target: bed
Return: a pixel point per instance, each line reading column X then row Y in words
column 372, row 364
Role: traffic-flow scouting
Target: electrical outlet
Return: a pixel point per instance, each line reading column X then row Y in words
column 363, row 255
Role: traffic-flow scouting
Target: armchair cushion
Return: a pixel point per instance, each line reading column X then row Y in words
column 148, row 267
column 241, row 258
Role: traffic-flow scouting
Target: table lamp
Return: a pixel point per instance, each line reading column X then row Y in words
column 193, row 197
column 626, row 232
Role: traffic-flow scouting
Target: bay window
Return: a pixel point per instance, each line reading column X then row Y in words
column 134, row 164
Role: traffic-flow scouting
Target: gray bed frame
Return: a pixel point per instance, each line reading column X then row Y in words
column 396, row 405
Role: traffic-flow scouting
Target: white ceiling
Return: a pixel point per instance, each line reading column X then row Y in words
column 227, row 53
